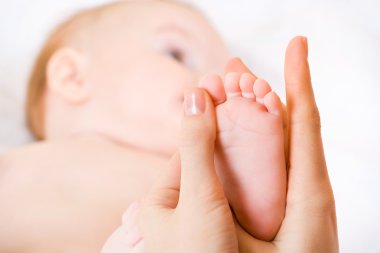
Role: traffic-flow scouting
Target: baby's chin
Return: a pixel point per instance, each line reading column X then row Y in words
column 155, row 147
column 157, row 141
column 159, row 150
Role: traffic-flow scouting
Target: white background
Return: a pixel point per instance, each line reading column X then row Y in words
column 344, row 40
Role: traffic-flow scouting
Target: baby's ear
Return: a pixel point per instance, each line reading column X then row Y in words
column 65, row 75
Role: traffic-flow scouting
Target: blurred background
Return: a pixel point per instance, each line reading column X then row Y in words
column 344, row 53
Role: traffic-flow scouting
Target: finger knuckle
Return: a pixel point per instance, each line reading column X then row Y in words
column 196, row 133
column 315, row 116
column 311, row 117
column 328, row 203
column 324, row 203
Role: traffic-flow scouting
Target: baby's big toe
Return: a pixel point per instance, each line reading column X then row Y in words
column 213, row 84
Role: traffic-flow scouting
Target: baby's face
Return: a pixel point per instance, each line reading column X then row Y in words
column 145, row 56
column 140, row 62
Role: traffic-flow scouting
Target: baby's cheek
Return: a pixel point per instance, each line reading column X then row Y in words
column 172, row 129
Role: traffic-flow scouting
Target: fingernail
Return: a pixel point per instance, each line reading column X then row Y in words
column 306, row 44
column 195, row 103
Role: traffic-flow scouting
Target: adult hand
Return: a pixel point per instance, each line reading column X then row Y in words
column 310, row 220
column 186, row 211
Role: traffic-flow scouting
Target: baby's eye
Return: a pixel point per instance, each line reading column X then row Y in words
column 177, row 55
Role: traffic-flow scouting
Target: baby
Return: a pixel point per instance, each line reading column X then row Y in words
column 105, row 96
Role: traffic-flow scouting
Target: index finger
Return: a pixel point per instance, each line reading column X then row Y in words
column 307, row 166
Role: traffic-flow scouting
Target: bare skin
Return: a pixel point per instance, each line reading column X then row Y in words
column 310, row 221
column 250, row 155
column 69, row 191
column 74, row 187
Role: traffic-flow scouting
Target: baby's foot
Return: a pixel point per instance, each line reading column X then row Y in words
column 250, row 155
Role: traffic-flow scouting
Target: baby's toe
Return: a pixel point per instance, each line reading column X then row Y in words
column 214, row 85
column 231, row 84
column 246, row 85
column 273, row 103
column 260, row 89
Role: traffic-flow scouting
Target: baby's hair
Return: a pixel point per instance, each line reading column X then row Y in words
column 60, row 37
column 37, row 82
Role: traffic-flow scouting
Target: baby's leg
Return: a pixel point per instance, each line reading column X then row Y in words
column 250, row 154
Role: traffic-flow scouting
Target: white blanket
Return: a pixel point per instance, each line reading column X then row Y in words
column 344, row 39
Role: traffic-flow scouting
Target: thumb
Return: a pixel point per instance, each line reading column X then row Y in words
column 165, row 192
column 197, row 144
